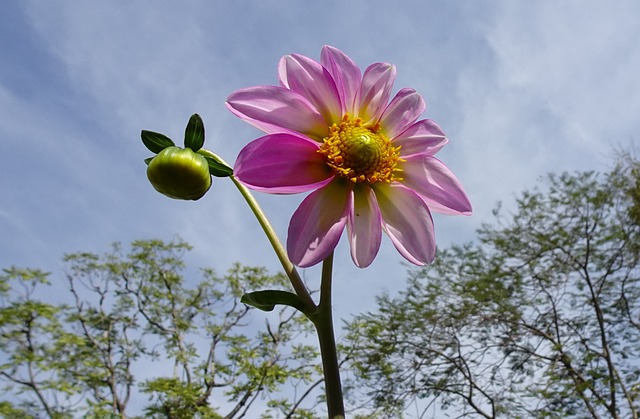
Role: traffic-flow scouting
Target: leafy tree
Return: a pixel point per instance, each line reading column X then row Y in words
column 133, row 324
column 538, row 318
column 27, row 328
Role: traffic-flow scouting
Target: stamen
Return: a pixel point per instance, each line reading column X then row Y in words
column 359, row 153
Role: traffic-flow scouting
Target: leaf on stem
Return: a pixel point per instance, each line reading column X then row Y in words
column 268, row 299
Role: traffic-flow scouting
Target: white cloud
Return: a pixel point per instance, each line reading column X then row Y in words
column 560, row 93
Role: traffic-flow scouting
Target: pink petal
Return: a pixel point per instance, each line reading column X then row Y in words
column 346, row 74
column 364, row 227
column 282, row 163
column 437, row 185
column 317, row 224
column 408, row 222
column 405, row 108
column 375, row 90
column 308, row 78
column 423, row 137
column 271, row 108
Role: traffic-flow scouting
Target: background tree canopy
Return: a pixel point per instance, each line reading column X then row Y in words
column 135, row 324
column 540, row 317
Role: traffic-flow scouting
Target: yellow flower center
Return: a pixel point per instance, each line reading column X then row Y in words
column 359, row 153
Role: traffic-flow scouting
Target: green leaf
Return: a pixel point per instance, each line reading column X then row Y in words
column 194, row 133
column 217, row 168
column 155, row 141
column 268, row 299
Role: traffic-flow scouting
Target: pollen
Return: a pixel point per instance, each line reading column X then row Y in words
column 359, row 153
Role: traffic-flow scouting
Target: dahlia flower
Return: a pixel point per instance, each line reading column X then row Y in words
column 368, row 161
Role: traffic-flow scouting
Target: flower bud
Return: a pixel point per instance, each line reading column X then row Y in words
column 179, row 173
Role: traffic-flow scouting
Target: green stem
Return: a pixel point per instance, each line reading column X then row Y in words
column 321, row 315
column 323, row 320
column 296, row 282
column 289, row 268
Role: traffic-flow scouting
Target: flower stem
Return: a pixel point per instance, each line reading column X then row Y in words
column 296, row 282
column 321, row 314
column 323, row 320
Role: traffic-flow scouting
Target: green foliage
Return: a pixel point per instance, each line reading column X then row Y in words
column 178, row 399
column 27, row 329
column 155, row 141
column 194, row 133
column 216, row 166
column 268, row 299
column 8, row 410
column 130, row 308
column 193, row 139
column 539, row 318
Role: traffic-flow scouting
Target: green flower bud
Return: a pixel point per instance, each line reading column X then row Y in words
column 179, row 173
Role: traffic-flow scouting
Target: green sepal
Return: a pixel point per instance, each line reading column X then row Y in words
column 194, row 133
column 217, row 167
column 155, row 141
column 268, row 299
column 148, row 160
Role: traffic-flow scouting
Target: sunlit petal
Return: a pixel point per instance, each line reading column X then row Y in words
column 317, row 224
column 423, row 137
column 437, row 185
column 308, row 78
column 375, row 91
column 270, row 107
column 364, row 227
column 408, row 222
column 404, row 110
column 346, row 74
column 282, row 163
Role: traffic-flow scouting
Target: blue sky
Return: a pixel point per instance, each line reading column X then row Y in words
column 520, row 88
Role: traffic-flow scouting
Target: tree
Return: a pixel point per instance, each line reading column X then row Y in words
column 27, row 326
column 538, row 318
column 135, row 325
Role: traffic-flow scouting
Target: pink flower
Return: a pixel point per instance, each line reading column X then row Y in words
column 369, row 162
